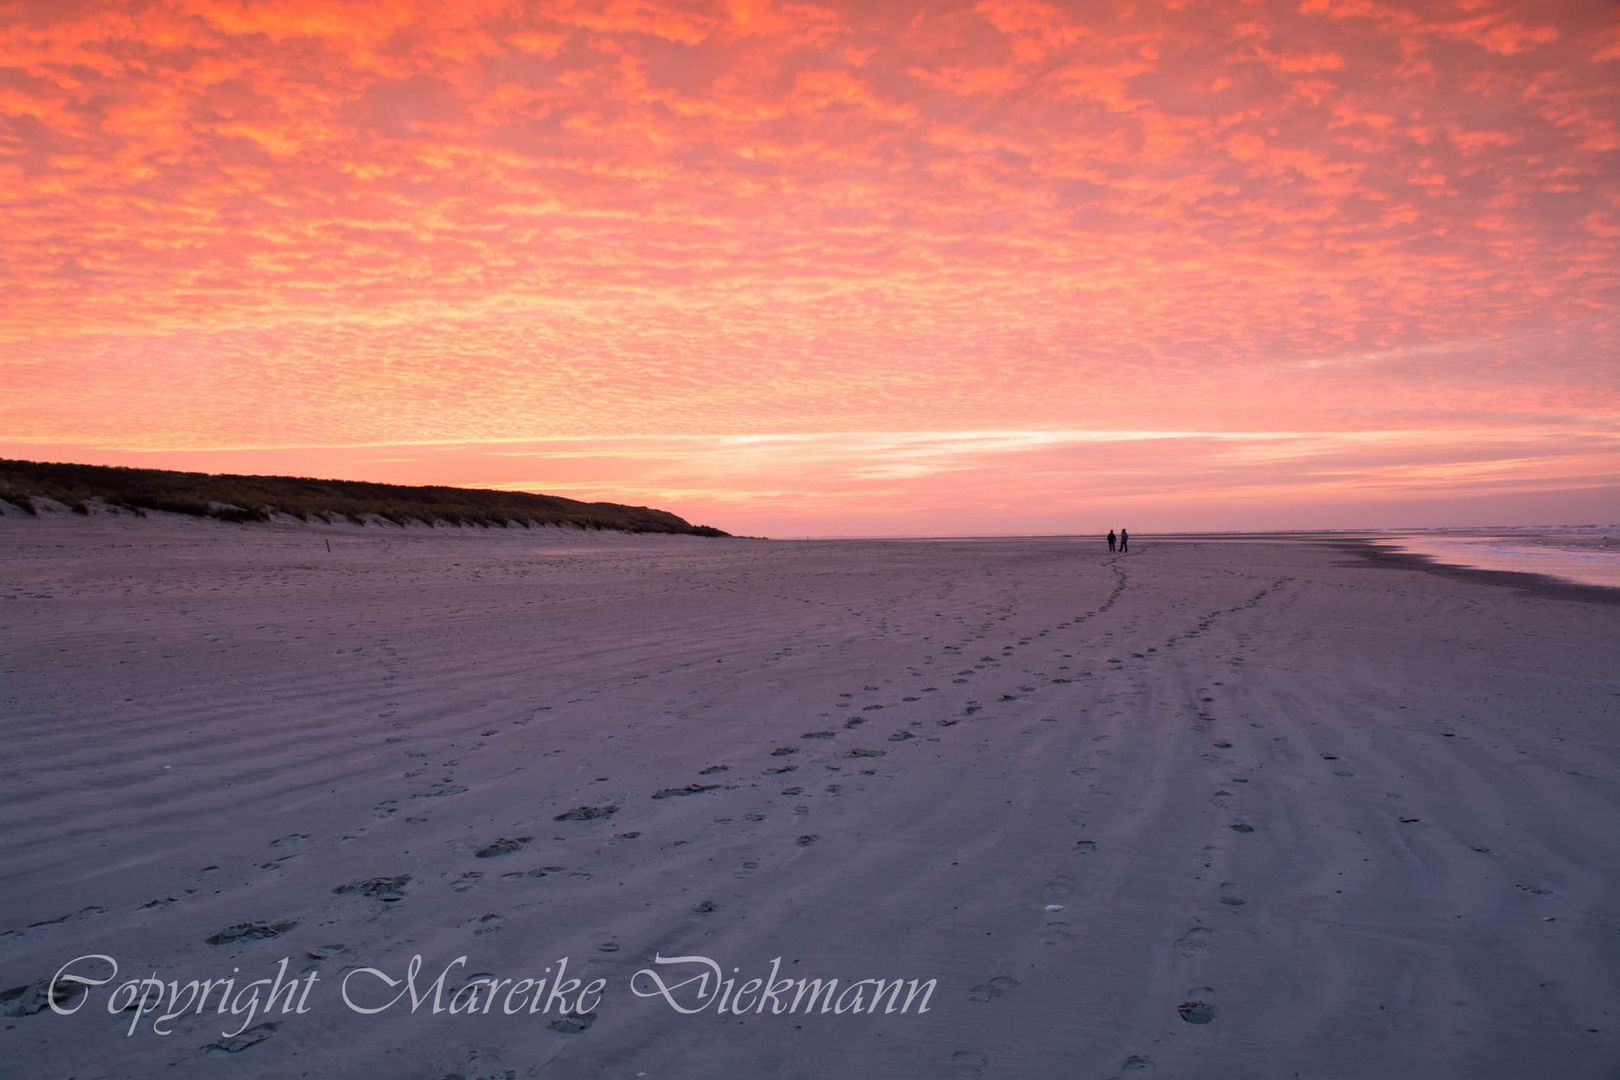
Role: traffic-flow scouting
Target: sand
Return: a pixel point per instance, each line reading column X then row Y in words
column 1204, row 810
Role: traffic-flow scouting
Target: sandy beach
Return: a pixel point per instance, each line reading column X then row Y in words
column 1259, row 810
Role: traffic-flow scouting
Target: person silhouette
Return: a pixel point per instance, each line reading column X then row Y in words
column 1124, row 540
column 1110, row 539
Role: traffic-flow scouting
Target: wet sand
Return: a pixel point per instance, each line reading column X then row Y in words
column 1237, row 810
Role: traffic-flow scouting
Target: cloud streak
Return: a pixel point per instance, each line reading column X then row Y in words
column 983, row 482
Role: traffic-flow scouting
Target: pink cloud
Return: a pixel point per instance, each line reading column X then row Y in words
column 244, row 225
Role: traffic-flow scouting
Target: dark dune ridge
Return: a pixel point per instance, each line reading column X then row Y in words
column 230, row 497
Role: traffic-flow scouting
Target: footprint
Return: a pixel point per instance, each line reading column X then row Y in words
column 1196, row 1011
column 996, row 987
column 440, row 790
column 968, row 1065
column 689, row 789
column 38, row 996
column 467, row 881
column 588, row 813
column 387, row 889
column 572, row 1023
column 276, row 863
column 251, row 1037
column 251, row 931
column 326, row 952
column 1195, row 940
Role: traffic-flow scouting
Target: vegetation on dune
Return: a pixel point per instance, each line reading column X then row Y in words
column 229, row 497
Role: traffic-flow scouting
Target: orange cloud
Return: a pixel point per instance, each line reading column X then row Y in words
column 314, row 224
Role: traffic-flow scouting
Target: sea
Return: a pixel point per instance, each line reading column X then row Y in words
column 1584, row 554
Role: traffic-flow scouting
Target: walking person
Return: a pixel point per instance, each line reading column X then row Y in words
column 1110, row 540
column 1124, row 541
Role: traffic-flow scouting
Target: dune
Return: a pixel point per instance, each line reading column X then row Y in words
column 1269, row 809
column 87, row 489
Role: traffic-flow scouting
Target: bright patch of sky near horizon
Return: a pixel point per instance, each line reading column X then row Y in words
column 924, row 268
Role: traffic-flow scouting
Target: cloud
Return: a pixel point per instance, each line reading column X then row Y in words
column 310, row 224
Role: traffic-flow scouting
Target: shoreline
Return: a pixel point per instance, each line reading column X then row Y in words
column 1542, row 585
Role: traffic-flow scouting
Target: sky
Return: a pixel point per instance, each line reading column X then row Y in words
column 867, row 268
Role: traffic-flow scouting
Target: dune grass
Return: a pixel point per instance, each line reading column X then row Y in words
column 229, row 497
